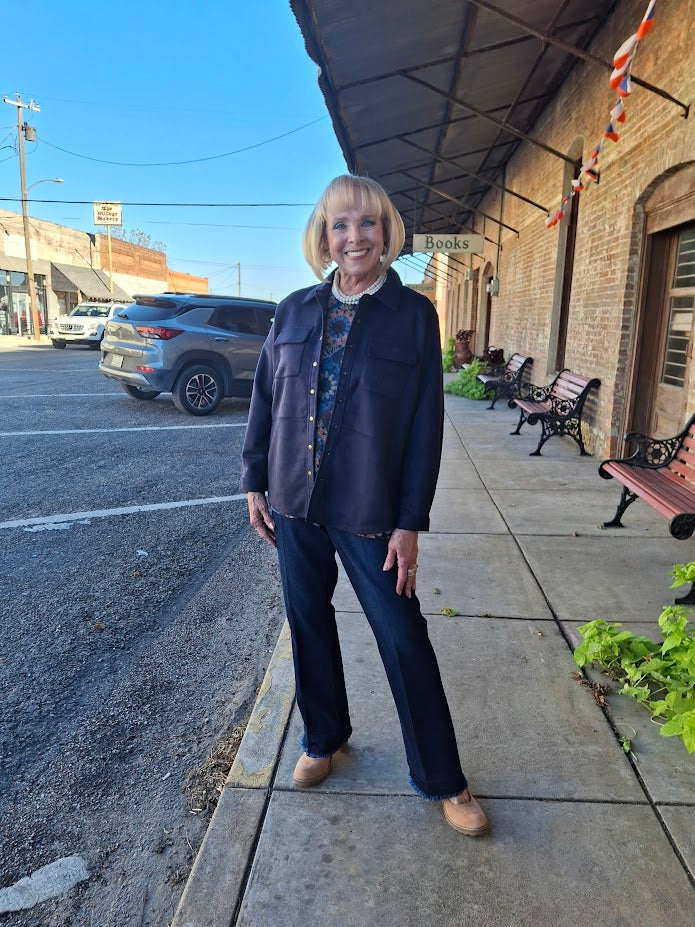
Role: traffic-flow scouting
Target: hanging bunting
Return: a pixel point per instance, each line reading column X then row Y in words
column 621, row 83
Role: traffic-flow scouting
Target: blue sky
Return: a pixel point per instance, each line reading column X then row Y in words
column 146, row 82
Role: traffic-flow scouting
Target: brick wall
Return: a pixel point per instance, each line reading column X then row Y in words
column 654, row 141
column 186, row 283
column 133, row 260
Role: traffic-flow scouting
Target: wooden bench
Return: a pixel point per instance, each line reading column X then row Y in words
column 558, row 407
column 662, row 472
column 505, row 382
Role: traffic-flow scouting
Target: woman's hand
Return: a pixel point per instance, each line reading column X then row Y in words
column 260, row 517
column 403, row 550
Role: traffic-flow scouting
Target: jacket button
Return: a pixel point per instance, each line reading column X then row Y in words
column 309, row 447
column 309, row 472
column 311, row 418
column 312, row 391
column 314, row 364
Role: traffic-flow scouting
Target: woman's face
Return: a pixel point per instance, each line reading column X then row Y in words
column 355, row 240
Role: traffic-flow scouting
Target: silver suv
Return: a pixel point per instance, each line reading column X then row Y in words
column 199, row 348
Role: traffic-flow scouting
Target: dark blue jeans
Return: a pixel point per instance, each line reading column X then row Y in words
column 309, row 575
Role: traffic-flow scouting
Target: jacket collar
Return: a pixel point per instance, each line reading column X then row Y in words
column 389, row 294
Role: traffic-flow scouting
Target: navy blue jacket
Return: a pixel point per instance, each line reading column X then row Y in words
column 381, row 460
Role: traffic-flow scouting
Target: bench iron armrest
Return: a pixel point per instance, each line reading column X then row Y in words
column 534, row 393
column 653, row 453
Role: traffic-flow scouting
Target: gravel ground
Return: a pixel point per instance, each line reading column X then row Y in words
column 131, row 646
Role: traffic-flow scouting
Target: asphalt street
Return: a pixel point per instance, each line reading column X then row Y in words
column 137, row 616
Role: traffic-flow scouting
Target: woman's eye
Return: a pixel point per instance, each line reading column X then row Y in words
column 369, row 222
column 339, row 225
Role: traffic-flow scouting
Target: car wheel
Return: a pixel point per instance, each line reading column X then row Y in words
column 140, row 392
column 58, row 344
column 198, row 390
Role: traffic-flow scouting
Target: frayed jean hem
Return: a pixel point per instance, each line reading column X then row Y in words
column 320, row 756
column 441, row 797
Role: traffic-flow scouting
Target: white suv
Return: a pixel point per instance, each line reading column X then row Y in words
column 84, row 325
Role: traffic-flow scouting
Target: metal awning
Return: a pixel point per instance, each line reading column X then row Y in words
column 91, row 283
column 433, row 98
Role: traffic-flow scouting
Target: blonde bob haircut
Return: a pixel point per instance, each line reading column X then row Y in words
column 341, row 194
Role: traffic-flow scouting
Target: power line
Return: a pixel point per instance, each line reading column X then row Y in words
column 220, row 225
column 225, row 154
column 18, row 199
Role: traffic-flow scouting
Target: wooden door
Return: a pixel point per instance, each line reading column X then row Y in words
column 675, row 335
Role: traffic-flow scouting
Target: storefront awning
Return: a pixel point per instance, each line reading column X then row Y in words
column 432, row 99
column 91, row 283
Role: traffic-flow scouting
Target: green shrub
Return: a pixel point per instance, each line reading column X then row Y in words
column 448, row 357
column 660, row 676
column 466, row 384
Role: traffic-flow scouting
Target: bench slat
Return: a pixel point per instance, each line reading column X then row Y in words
column 562, row 393
column 657, row 489
column 574, row 378
column 685, row 469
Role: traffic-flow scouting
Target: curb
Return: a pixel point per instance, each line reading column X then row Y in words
column 213, row 888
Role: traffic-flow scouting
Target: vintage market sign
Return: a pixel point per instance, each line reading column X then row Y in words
column 107, row 214
column 470, row 244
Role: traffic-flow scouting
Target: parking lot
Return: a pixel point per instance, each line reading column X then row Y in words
column 138, row 613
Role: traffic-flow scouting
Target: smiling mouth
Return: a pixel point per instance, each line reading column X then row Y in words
column 357, row 254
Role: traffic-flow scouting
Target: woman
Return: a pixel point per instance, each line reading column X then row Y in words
column 345, row 435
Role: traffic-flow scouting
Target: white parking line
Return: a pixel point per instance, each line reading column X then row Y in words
column 51, row 522
column 106, row 431
column 91, row 395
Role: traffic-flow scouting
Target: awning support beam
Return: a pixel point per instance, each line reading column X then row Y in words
column 470, row 173
column 500, row 123
column 453, row 199
column 573, row 50
column 497, row 109
column 444, row 218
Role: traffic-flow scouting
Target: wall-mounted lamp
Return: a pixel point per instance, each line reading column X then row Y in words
column 493, row 286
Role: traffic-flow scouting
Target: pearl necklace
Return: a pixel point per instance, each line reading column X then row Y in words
column 355, row 298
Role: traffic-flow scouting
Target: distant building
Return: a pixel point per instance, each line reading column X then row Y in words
column 70, row 265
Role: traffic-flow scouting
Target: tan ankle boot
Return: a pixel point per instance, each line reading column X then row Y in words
column 465, row 815
column 311, row 770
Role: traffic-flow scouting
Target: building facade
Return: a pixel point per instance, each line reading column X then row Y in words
column 69, row 266
column 610, row 290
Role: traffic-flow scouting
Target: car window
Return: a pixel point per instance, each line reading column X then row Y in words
column 90, row 310
column 265, row 318
column 239, row 319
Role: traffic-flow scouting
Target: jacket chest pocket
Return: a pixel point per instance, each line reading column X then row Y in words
column 388, row 367
column 289, row 349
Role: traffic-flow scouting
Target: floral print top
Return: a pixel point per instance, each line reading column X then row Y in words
column 339, row 318
column 336, row 330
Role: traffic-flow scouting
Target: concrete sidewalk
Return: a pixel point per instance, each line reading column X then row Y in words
column 17, row 342
column 581, row 832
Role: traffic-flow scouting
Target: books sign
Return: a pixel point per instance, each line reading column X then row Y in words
column 107, row 214
column 444, row 244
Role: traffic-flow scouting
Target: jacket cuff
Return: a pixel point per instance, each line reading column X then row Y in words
column 412, row 523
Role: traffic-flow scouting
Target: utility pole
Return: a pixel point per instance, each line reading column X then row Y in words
column 21, row 129
column 238, row 278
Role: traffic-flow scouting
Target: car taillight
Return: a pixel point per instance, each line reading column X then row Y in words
column 145, row 369
column 157, row 331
